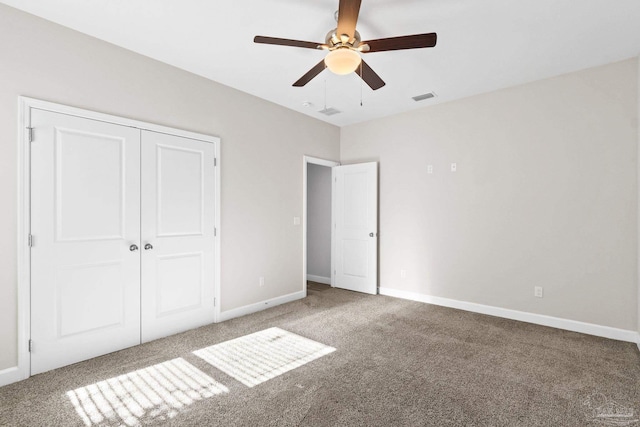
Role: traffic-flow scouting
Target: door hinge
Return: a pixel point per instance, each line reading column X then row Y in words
column 334, row 272
column 30, row 240
column 215, row 161
column 214, row 302
column 215, row 232
column 30, row 346
column 30, row 133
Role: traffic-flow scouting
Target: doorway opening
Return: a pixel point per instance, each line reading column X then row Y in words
column 317, row 220
column 351, row 197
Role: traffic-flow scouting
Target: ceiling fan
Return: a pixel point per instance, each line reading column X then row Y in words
column 345, row 46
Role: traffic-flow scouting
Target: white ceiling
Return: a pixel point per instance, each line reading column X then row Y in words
column 483, row 45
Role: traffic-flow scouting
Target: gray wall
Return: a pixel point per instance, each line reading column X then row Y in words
column 262, row 149
column 319, row 220
column 545, row 195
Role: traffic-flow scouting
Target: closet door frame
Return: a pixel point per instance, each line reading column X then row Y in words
column 25, row 106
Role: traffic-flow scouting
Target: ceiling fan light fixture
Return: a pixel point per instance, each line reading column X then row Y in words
column 345, row 46
column 343, row 61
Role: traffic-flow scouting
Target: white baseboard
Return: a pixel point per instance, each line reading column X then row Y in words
column 319, row 279
column 259, row 306
column 538, row 319
column 10, row 375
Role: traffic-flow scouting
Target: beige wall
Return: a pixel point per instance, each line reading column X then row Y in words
column 545, row 195
column 262, row 149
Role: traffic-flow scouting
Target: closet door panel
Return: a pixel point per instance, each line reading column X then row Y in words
column 85, row 215
column 178, row 208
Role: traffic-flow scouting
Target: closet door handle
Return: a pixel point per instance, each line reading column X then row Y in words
column 133, row 248
column 148, row 247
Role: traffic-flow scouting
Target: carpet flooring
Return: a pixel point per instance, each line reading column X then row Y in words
column 358, row 360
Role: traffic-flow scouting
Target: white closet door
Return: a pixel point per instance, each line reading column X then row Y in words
column 178, row 208
column 356, row 227
column 85, row 215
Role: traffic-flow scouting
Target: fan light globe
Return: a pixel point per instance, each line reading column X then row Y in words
column 342, row 61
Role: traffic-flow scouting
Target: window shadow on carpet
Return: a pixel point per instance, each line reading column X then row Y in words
column 261, row 356
column 151, row 394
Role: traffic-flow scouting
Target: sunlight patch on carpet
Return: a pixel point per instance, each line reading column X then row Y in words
column 256, row 358
column 151, row 394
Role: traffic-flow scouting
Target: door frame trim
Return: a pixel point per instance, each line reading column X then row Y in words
column 306, row 160
column 25, row 105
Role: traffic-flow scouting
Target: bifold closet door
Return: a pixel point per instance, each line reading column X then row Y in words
column 85, row 223
column 178, row 212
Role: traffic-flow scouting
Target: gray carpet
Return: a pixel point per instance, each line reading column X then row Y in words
column 395, row 362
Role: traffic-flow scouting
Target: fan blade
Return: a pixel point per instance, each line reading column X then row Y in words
column 285, row 42
column 348, row 12
column 369, row 76
column 415, row 41
column 310, row 74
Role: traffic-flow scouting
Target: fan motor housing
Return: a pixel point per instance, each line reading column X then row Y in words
column 334, row 41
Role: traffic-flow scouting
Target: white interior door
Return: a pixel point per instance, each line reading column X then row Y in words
column 178, row 212
column 356, row 227
column 85, row 215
